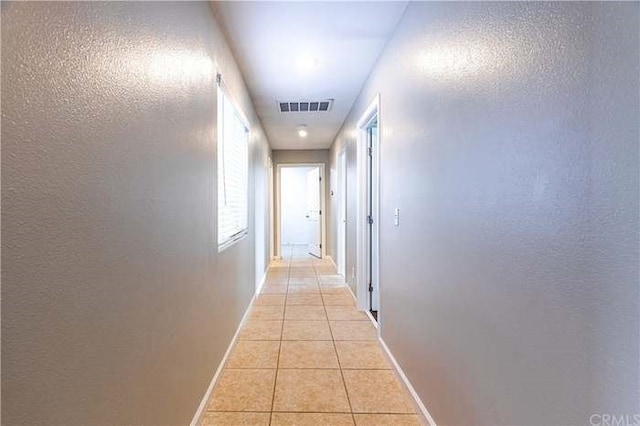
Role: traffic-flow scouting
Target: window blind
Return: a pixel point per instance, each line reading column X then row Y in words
column 233, row 172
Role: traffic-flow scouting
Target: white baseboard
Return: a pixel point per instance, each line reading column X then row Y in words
column 332, row 261
column 373, row 321
column 262, row 281
column 367, row 313
column 355, row 299
column 197, row 417
column 408, row 384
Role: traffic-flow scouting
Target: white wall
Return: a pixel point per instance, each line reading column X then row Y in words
column 293, row 199
column 116, row 305
column 509, row 141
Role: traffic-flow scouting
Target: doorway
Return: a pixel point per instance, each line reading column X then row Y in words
column 368, row 165
column 272, row 254
column 300, row 208
column 342, row 214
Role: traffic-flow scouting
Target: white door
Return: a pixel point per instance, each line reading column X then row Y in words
column 342, row 213
column 313, row 212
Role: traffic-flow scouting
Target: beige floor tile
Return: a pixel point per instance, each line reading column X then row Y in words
column 300, row 280
column 212, row 418
column 243, row 390
column 317, row 391
column 387, row 419
column 303, row 265
column 276, row 280
column 325, row 266
column 361, row 355
column 353, row 330
column 274, row 289
column 302, row 274
column 342, row 313
column 307, row 278
column 338, row 300
column 267, row 312
column 341, row 289
column 376, row 391
column 304, row 282
column 261, row 330
column 254, row 354
column 277, row 274
column 303, row 312
column 331, row 279
column 310, row 354
column 326, row 270
column 304, row 299
column 306, row 330
column 303, row 289
column 311, row 419
column 270, row 299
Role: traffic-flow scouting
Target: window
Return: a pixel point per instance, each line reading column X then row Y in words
column 233, row 172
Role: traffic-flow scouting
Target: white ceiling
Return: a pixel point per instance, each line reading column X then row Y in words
column 306, row 51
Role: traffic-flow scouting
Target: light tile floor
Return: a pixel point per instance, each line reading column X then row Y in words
column 307, row 356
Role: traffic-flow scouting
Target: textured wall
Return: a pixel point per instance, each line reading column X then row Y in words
column 319, row 156
column 509, row 293
column 116, row 305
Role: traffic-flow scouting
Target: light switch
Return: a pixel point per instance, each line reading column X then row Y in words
column 396, row 217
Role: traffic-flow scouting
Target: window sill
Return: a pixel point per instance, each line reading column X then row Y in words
column 222, row 247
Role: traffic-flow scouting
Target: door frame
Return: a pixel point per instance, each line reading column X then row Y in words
column 362, row 296
column 341, row 236
column 323, row 219
column 272, row 254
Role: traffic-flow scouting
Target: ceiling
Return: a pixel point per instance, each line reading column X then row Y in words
column 306, row 51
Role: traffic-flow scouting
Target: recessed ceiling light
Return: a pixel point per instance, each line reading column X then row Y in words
column 308, row 63
column 302, row 131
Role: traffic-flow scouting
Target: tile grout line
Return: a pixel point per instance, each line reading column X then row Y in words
column 335, row 349
column 317, row 412
column 290, row 267
column 275, row 380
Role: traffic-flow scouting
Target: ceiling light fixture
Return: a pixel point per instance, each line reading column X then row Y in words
column 302, row 131
column 308, row 63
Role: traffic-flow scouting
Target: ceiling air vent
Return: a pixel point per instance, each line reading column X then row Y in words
column 306, row 106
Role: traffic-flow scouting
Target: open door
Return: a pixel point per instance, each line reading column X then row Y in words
column 314, row 182
column 372, row 214
column 367, row 220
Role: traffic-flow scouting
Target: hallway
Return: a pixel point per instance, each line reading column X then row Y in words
column 475, row 179
column 307, row 356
